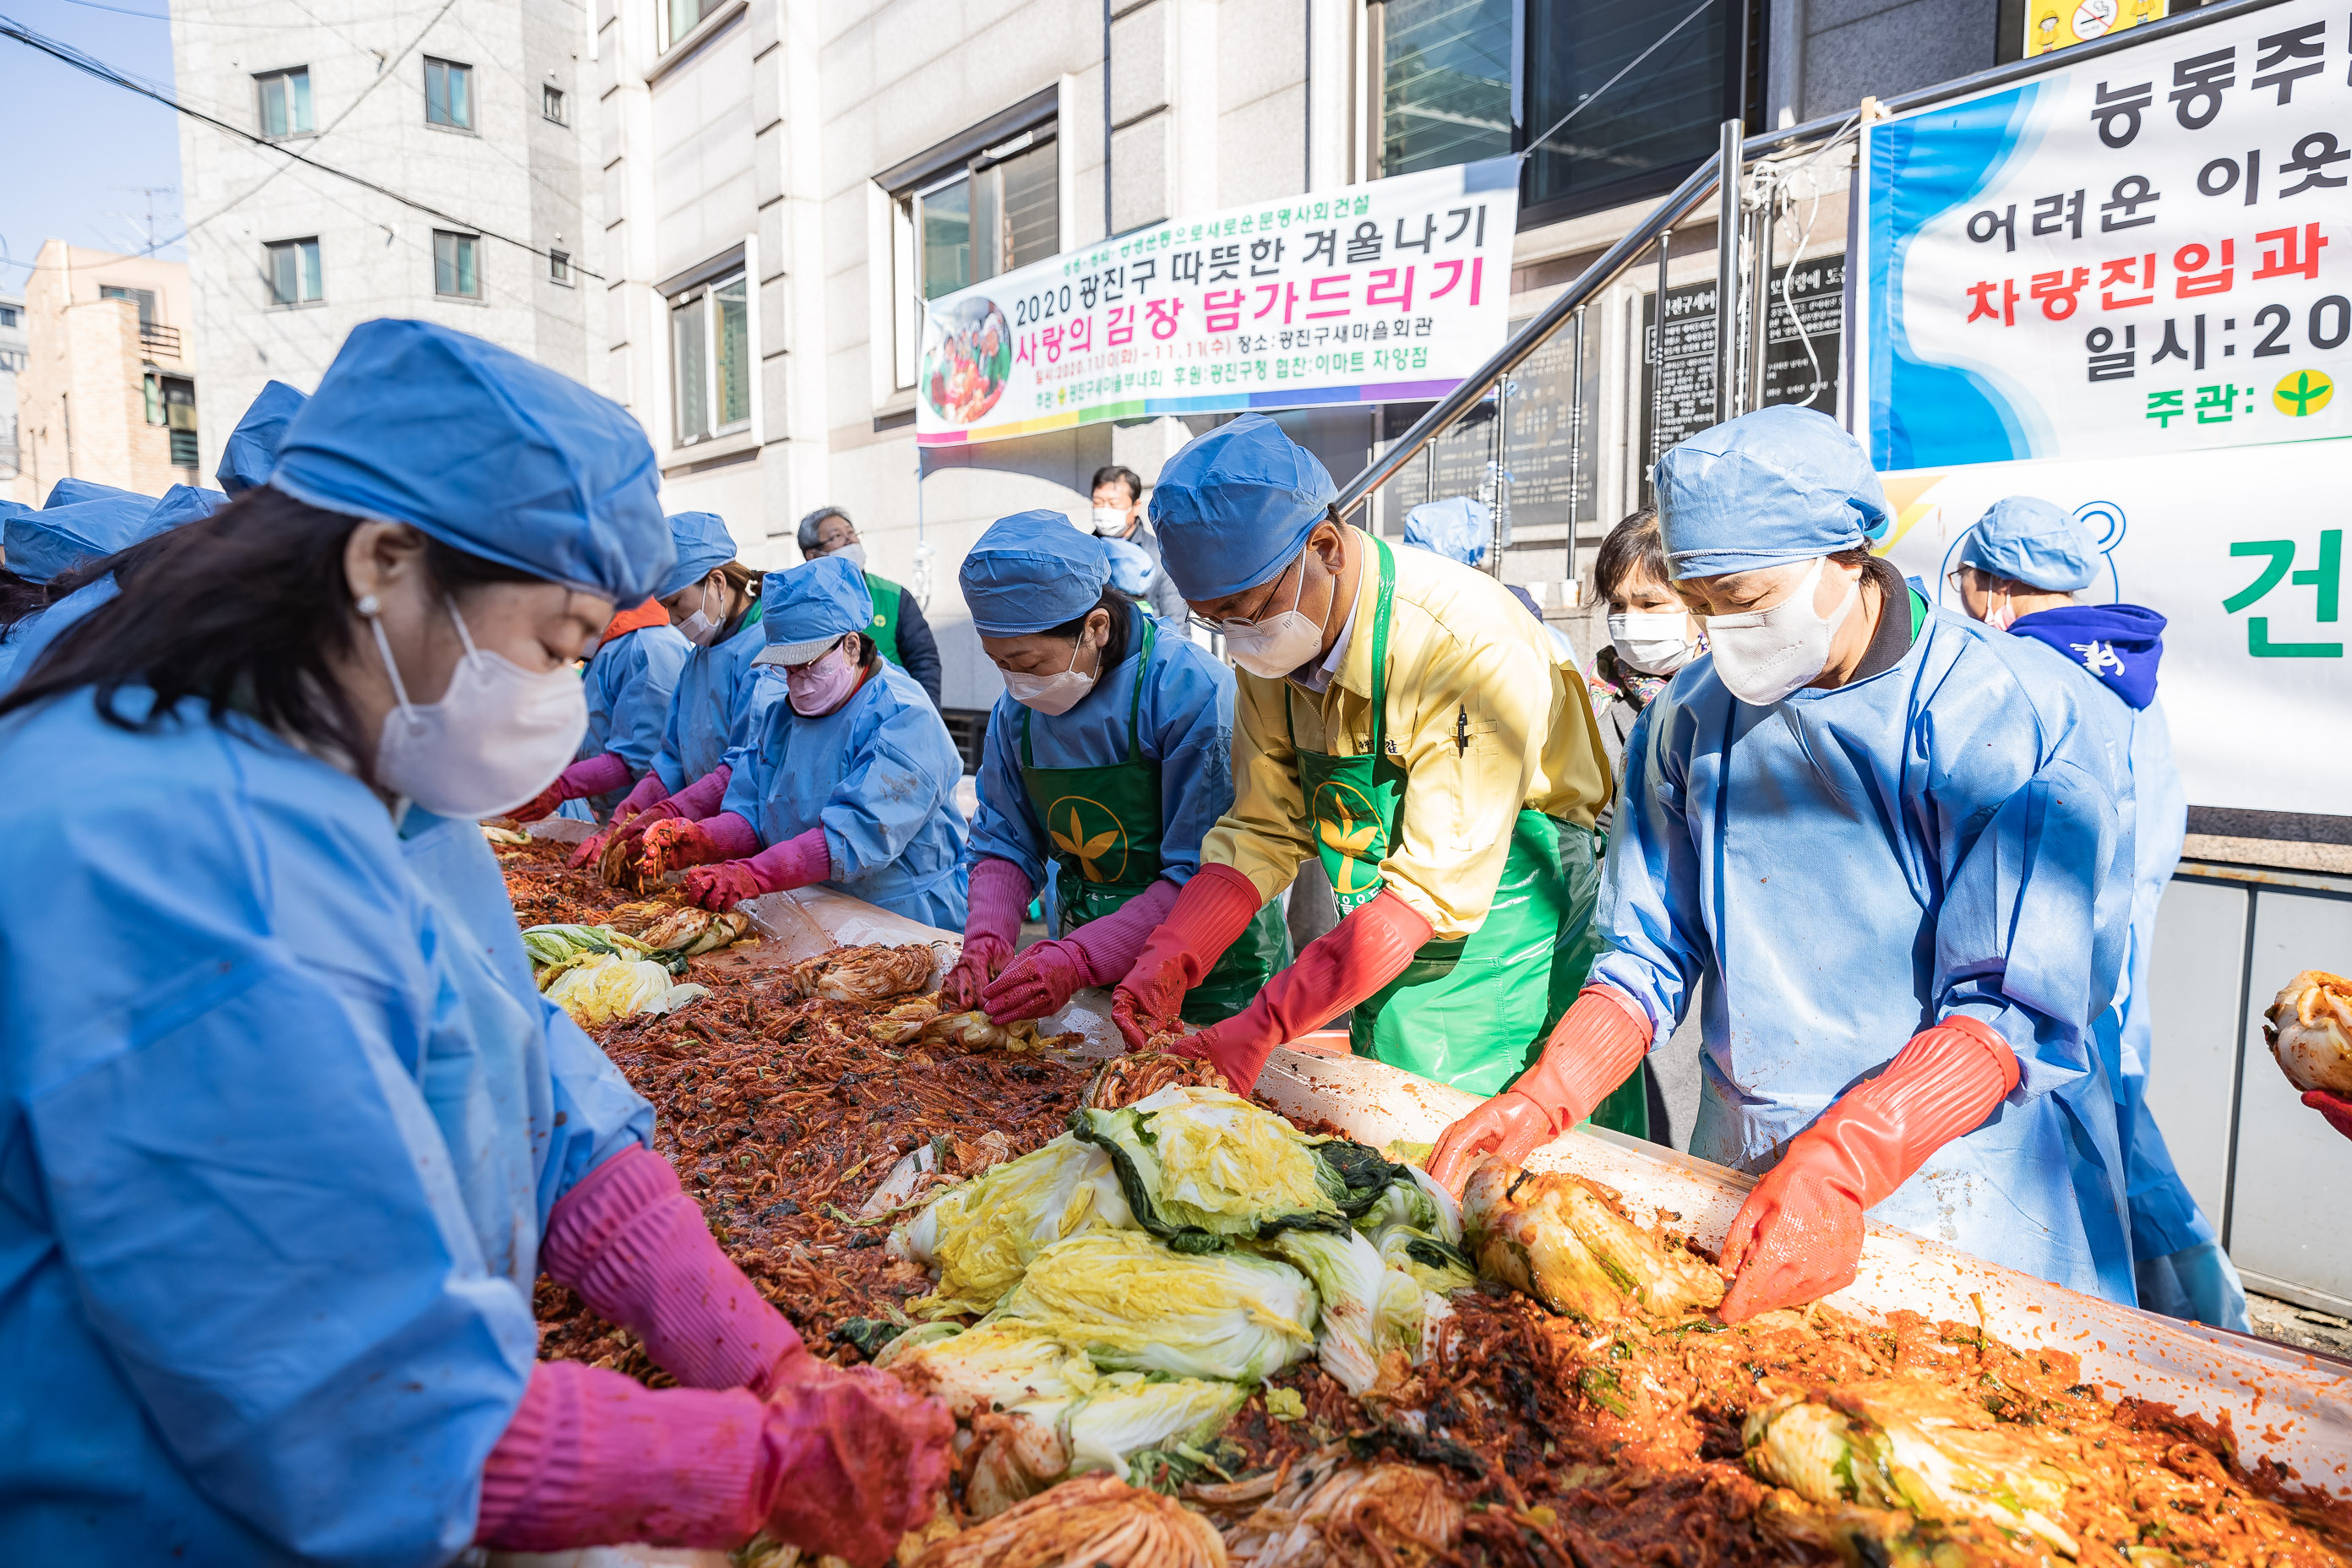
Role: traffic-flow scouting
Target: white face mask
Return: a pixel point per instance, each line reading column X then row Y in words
column 1111, row 521
column 853, row 553
column 496, row 738
column 1765, row 655
column 698, row 628
column 1655, row 642
column 1275, row 647
column 1057, row 693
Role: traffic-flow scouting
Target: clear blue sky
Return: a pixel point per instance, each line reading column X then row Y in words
column 85, row 149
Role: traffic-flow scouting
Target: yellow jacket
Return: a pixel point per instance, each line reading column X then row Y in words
column 1459, row 644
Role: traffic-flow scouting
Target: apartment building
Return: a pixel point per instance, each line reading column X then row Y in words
column 472, row 110
column 108, row 389
column 14, row 347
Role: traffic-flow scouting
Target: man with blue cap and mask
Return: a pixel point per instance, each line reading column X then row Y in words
column 713, row 600
column 1110, row 755
column 72, row 593
column 850, row 780
column 1398, row 717
column 293, row 1146
column 1890, row 851
column 2020, row 568
column 42, row 550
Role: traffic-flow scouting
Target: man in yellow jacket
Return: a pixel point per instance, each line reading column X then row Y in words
column 1402, row 717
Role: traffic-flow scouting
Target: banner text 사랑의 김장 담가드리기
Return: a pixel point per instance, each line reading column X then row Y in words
column 1394, row 290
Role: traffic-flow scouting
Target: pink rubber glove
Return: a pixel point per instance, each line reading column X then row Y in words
column 599, row 775
column 1099, row 953
column 998, row 896
column 1338, row 968
column 648, row 794
column 844, row 1465
column 795, row 863
column 1209, row 916
column 704, row 796
column 1798, row 1236
column 1599, row 1041
column 636, row 1248
column 2336, row 1108
column 675, row 843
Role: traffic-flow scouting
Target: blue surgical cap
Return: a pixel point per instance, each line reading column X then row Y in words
column 703, row 542
column 70, row 491
column 1032, row 572
column 40, row 544
column 1779, row 485
column 486, row 451
column 810, row 607
column 1458, row 528
column 1131, row 566
column 251, row 450
column 1234, row 507
column 182, row 503
column 2028, row 540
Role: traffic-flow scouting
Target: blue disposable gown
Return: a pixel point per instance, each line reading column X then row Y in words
column 878, row 774
column 1186, row 724
column 272, row 1109
column 1952, row 835
column 2182, row 1271
column 629, row 682
column 711, row 708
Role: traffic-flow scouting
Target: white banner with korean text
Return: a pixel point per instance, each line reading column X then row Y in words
column 2146, row 252
column 1394, row 290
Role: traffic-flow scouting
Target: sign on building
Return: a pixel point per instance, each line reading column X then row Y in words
column 2149, row 252
column 1805, row 337
column 1391, row 290
column 2123, row 287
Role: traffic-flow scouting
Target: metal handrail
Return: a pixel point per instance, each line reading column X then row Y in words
column 1614, row 262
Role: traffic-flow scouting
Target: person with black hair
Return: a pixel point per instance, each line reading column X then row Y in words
column 1108, row 757
column 291, row 1135
column 1651, row 634
column 899, row 631
column 1118, row 502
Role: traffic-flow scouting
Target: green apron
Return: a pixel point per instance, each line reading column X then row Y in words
column 1103, row 827
column 885, row 629
column 1473, row 1011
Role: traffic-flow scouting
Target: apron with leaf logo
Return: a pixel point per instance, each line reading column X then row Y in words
column 1471, row 1011
column 1102, row 828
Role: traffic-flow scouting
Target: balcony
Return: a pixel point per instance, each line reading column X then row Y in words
column 161, row 340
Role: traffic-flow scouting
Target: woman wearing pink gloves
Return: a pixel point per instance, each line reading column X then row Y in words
column 1110, row 754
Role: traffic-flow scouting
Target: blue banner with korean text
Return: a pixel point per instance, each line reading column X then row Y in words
column 2150, row 252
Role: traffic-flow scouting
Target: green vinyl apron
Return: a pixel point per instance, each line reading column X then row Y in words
column 1102, row 828
column 1473, row 1011
column 885, row 629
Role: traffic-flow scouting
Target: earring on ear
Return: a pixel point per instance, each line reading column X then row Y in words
column 367, row 606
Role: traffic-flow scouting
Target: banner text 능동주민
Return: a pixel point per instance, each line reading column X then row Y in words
column 1394, row 290
column 2149, row 252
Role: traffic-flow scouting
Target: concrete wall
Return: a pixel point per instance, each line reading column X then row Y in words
column 81, row 400
column 515, row 173
column 1824, row 56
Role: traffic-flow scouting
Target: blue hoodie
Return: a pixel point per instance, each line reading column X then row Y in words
column 2119, row 644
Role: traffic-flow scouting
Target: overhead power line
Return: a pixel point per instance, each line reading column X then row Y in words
column 12, row 29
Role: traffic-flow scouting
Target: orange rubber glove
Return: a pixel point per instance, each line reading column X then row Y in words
column 2336, row 1108
column 1598, row 1041
column 1798, row 1236
column 1338, row 968
column 1210, row 916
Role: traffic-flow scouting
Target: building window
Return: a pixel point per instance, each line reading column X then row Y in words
column 1455, row 87
column 293, row 270
column 285, row 102
column 983, row 213
column 10, row 316
column 449, row 94
column 550, row 103
column 172, row 401
column 1445, row 83
column 558, row 267
column 680, row 17
column 711, row 358
column 456, row 265
column 142, row 297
